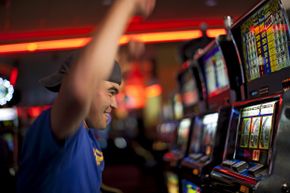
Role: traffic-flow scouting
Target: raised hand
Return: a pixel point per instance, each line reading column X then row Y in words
column 144, row 7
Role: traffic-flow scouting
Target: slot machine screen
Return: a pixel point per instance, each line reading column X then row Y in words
column 189, row 91
column 177, row 106
column 167, row 131
column 265, row 41
column 203, row 134
column 209, row 129
column 183, row 131
column 255, row 133
column 8, row 118
column 196, row 136
column 8, row 123
column 215, row 70
column 189, row 187
column 172, row 182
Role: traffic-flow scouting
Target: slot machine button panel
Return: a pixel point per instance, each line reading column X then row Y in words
column 240, row 166
column 256, row 169
column 195, row 156
column 204, row 158
column 228, row 163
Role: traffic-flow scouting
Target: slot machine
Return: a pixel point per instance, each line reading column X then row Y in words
column 219, row 68
column 190, row 93
column 8, row 127
column 175, row 155
column 8, row 135
column 255, row 154
column 167, row 133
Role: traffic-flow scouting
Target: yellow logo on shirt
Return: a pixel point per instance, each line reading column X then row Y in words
column 98, row 155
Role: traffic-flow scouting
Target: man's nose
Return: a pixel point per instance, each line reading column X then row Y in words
column 114, row 102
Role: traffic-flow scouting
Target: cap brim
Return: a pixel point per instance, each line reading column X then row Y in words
column 52, row 82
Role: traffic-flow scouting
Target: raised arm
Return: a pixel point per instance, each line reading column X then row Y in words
column 93, row 66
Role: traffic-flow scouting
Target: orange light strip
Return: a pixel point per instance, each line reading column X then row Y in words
column 162, row 36
column 44, row 45
column 215, row 32
column 80, row 42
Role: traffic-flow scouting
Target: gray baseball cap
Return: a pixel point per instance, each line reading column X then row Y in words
column 53, row 81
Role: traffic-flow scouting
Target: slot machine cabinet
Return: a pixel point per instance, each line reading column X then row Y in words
column 248, row 156
column 173, row 157
column 191, row 89
column 279, row 179
column 255, row 143
column 262, row 38
column 166, row 133
column 8, row 135
column 191, row 95
column 219, row 64
column 8, row 118
column 206, row 146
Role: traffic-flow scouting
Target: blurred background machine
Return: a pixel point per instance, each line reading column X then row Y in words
column 221, row 78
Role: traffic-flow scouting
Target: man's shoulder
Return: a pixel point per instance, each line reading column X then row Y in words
column 43, row 116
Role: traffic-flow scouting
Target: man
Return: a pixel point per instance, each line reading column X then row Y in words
column 60, row 153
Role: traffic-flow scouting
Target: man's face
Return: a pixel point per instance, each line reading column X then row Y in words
column 103, row 104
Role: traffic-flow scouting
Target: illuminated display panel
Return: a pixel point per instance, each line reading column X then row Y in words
column 8, row 115
column 215, row 70
column 172, row 182
column 167, row 131
column 183, row 131
column 209, row 129
column 203, row 135
column 265, row 41
column 255, row 132
column 189, row 187
column 189, row 91
column 8, row 123
column 6, row 91
column 177, row 106
column 196, row 137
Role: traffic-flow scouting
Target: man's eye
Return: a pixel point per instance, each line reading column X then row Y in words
column 112, row 93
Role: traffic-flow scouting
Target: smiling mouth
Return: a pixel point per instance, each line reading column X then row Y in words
column 108, row 118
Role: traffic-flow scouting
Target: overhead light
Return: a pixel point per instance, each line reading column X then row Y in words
column 6, row 91
column 107, row 2
column 211, row 3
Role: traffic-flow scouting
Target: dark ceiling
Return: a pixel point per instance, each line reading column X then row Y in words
column 18, row 16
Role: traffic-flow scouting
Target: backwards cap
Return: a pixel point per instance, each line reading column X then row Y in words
column 53, row 81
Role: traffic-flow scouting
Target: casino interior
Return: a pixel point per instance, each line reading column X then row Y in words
column 203, row 106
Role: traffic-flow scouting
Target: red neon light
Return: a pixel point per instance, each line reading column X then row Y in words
column 80, row 42
column 35, row 111
column 136, row 25
column 13, row 76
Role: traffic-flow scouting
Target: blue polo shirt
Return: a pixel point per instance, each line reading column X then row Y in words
column 48, row 167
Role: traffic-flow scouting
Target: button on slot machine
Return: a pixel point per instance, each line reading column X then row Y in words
column 256, row 143
column 219, row 67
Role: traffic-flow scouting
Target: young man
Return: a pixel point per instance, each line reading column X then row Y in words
column 60, row 153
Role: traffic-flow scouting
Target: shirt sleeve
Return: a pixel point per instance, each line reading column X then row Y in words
column 40, row 142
